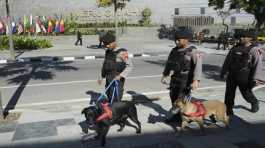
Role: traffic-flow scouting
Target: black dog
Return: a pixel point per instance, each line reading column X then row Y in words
column 121, row 111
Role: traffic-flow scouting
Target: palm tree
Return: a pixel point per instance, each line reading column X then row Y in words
column 117, row 4
column 11, row 44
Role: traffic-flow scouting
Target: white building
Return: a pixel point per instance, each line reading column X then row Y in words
column 163, row 10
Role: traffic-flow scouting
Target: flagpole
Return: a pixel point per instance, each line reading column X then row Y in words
column 11, row 44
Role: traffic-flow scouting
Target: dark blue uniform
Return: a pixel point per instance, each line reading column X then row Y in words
column 243, row 66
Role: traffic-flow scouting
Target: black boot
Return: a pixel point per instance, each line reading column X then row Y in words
column 175, row 118
column 255, row 107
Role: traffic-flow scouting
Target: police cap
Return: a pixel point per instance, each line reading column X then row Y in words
column 108, row 38
column 248, row 33
column 184, row 34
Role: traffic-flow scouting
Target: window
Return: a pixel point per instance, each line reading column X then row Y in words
column 233, row 20
column 237, row 10
column 176, row 11
column 202, row 10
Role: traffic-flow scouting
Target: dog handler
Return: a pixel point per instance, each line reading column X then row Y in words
column 243, row 67
column 116, row 66
column 185, row 62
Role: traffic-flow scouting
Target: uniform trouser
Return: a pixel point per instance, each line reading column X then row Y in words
column 244, row 87
column 110, row 91
column 178, row 88
column 79, row 40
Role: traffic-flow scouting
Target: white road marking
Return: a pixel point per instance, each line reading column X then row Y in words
column 73, row 82
column 67, row 101
column 3, row 61
column 68, row 58
column 90, row 57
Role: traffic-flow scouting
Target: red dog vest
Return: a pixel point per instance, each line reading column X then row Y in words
column 200, row 110
column 107, row 112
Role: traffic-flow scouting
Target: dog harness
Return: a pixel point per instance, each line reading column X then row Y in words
column 200, row 110
column 107, row 112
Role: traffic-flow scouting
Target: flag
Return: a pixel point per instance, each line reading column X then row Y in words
column 38, row 29
column 37, row 24
column 62, row 26
column 45, row 22
column 31, row 20
column 43, row 29
column 32, row 27
column 57, row 27
column 1, row 28
column 26, row 23
column 14, row 28
column 7, row 29
column 20, row 29
column 50, row 27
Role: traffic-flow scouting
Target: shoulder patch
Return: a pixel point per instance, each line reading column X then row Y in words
column 257, row 51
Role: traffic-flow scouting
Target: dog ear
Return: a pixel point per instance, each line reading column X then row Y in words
column 184, row 101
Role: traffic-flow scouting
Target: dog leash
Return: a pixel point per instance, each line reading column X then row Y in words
column 114, row 90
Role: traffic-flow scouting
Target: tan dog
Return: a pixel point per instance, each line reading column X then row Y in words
column 192, row 112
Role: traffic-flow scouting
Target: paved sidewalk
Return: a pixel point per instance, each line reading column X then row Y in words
column 138, row 41
column 62, row 125
column 72, row 53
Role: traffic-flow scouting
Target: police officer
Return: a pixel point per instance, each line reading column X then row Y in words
column 185, row 64
column 243, row 67
column 116, row 66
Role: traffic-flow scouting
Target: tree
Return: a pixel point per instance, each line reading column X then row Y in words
column 146, row 14
column 117, row 4
column 1, row 106
column 255, row 7
column 11, row 44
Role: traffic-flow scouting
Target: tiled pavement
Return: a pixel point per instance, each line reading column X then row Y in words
column 44, row 128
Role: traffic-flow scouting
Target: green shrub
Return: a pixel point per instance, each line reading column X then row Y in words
column 22, row 42
column 146, row 17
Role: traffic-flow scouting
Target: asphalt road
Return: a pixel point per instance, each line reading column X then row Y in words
column 30, row 84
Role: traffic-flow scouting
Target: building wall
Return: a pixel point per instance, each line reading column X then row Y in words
column 163, row 10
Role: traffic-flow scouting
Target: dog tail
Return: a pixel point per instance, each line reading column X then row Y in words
column 135, row 102
column 83, row 111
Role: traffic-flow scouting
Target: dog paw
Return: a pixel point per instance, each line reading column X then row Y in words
column 96, row 137
column 119, row 130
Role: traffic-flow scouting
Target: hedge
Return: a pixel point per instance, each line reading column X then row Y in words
column 22, row 42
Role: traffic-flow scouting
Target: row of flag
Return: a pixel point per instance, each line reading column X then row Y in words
column 30, row 24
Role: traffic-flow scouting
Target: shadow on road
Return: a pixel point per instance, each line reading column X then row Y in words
column 248, row 135
column 20, row 74
column 212, row 72
column 150, row 102
column 157, row 62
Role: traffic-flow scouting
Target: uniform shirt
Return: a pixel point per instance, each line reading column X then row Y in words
column 196, row 61
column 256, row 63
column 123, row 56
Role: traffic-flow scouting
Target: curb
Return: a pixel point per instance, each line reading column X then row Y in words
column 70, row 58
